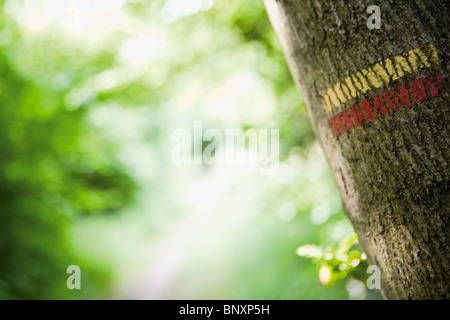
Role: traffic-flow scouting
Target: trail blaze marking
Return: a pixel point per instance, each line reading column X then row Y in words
column 377, row 75
column 420, row 89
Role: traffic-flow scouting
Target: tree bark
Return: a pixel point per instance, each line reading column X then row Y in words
column 378, row 102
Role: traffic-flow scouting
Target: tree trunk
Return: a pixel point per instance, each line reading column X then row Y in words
column 378, row 104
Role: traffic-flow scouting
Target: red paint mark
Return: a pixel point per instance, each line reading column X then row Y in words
column 378, row 106
column 394, row 96
column 334, row 127
column 395, row 99
column 348, row 122
column 365, row 105
column 404, row 96
column 431, row 87
column 341, row 124
column 357, row 115
column 418, row 91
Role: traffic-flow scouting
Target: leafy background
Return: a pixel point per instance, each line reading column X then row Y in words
column 90, row 94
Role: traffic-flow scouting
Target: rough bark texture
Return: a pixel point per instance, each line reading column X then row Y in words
column 378, row 101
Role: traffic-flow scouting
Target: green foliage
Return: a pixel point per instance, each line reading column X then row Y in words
column 334, row 261
column 53, row 169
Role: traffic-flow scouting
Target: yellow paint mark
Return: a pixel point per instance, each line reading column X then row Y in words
column 327, row 101
column 340, row 94
column 333, row 97
column 345, row 90
column 390, row 69
column 401, row 65
column 363, row 85
column 373, row 78
column 349, row 83
column 381, row 72
column 418, row 59
column 432, row 53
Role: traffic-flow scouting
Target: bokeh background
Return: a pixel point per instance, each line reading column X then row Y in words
column 90, row 93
